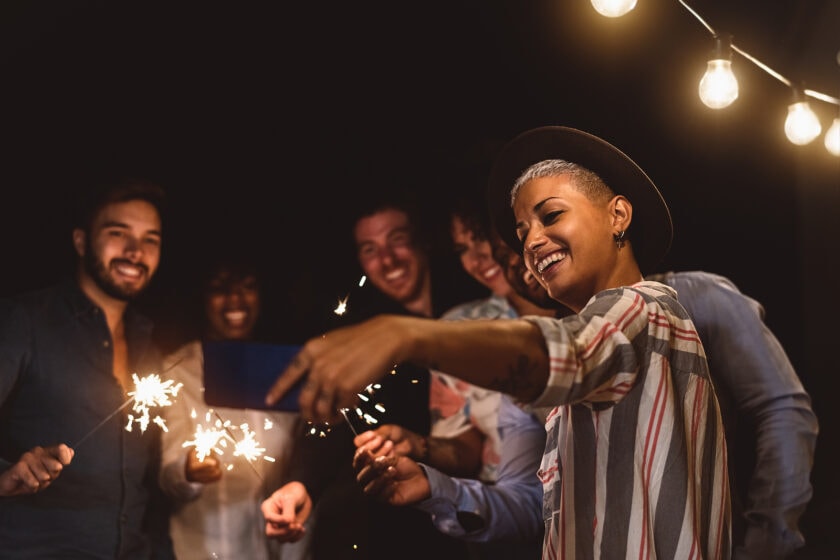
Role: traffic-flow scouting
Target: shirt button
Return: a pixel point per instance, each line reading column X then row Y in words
column 105, row 344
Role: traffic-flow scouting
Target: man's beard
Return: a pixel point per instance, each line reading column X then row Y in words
column 98, row 271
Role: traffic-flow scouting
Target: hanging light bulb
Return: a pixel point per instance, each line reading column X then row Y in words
column 718, row 87
column 832, row 138
column 613, row 8
column 801, row 125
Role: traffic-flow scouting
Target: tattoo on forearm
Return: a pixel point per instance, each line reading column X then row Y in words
column 519, row 379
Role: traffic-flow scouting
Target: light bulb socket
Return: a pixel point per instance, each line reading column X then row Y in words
column 723, row 47
column 798, row 94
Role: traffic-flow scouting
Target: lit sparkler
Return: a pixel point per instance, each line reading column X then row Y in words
column 215, row 439
column 205, row 441
column 341, row 308
column 366, row 416
column 248, row 446
column 149, row 391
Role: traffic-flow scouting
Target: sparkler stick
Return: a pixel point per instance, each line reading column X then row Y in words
column 322, row 429
column 105, row 421
column 343, row 412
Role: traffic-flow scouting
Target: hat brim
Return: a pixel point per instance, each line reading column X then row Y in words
column 651, row 230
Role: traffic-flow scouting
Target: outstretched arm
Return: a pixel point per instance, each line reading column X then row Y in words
column 509, row 356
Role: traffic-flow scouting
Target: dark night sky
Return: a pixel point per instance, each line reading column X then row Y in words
column 264, row 119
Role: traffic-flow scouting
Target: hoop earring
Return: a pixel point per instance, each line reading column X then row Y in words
column 619, row 239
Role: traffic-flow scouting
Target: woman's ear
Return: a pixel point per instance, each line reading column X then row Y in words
column 622, row 213
column 79, row 241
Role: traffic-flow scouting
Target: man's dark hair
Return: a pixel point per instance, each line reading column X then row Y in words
column 121, row 189
column 402, row 199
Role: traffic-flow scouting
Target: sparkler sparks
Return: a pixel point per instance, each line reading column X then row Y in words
column 248, row 446
column 205, row 441
column 341, row 308
column 149, row 391
column 367, row 417
column 220, row 435
column 363, row 415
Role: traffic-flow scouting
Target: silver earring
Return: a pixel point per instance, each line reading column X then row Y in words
column 619, row 239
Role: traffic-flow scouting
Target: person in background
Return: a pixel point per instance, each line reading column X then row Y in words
column 635, row 442
column 216, row 499
column 497, row 511
column 393, row 249
column 771, row 428
column 67, row 356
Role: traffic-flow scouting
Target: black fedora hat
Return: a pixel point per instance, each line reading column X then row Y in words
column 651, row 230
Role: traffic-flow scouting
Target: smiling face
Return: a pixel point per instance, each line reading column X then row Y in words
column 518, row 276
column 568, row 238
column 392, row 260
column 231, row 304
column 476, row 254
column 120, row 251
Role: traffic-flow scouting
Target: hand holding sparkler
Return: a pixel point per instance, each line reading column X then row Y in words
column 203, row 461
column 204, row 469
column 35, row 470
column 394, row 479
column 285, row 512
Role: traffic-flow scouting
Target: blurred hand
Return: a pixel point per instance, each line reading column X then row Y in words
column 285, row 512
column 341, row 363
column 205, row 471
column 388, row 477
column 406, row 442
column 35, row 470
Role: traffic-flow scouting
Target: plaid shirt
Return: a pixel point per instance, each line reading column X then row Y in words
column 635, row 461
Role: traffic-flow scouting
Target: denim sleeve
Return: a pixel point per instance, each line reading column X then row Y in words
column 509, row 509
column 758, row 388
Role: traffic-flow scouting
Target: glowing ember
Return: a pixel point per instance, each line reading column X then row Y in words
column 341, row 309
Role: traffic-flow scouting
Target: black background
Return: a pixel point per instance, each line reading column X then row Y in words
column 264, row 120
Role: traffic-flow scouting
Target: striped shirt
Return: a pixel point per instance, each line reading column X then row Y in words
column 635, row 460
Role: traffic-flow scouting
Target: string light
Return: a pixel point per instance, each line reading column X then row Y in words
column 832, row 138
column 801, row 124
column 613, row 8
column 719, row 85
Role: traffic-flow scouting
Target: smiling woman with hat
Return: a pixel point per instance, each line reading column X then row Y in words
column 635, row 461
